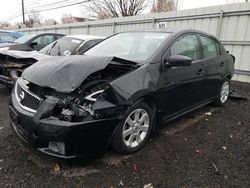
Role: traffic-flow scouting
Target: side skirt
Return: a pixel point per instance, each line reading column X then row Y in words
column 168, row 119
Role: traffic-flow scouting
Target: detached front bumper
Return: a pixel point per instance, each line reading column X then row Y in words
column 82, row 139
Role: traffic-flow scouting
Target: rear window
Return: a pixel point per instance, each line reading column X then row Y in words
column 210, row 47
column 62, row 47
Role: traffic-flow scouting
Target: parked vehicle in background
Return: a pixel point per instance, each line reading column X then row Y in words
column 71, row 45
column 12, row 63
column 7, row 37
column 118, row 92
column 32, row 42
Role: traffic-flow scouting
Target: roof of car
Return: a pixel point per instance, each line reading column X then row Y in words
column 16, row 33
column 172, row 30
column 49, row 34
column 85, row 37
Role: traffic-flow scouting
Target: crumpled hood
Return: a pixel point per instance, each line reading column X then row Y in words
column 64, row 74
column 23, row 54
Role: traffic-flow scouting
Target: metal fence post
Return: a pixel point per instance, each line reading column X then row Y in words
column 219, row 24
column 114, row 27
column 153, row 22
column 69, row 30
column 87, row 29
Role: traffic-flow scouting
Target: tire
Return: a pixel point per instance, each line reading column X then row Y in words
column 223, row 93
column 132, row 133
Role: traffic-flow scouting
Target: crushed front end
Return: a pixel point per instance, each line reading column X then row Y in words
column 64, row 125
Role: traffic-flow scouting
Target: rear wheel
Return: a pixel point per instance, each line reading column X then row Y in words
column 134, row 130
column 223, row 94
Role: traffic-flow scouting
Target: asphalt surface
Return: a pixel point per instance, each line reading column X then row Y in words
column 207, row 148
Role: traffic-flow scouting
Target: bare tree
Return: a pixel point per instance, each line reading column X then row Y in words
column 165, row 5
column 50, row 21
column 34, row 19
column 67, row 18
column 236, row 1
column 116, row 8
column 5, row 25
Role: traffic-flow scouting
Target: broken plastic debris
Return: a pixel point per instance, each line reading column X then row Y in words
column 1, row 128
column 134, row 168
column 235, row 95
column 198, row 151
column 148, row 186
column 225, row 177
column 215, row 167
column 240, row 123
column 224, row 147
column 208, row 113
column 121, row 183
column 57, row 168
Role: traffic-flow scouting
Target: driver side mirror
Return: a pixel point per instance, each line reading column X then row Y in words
column 32, row 44
column 178, row 61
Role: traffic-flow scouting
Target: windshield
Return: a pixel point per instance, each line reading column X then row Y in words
column 24, row 39
column 62, row 47
column 135, row 46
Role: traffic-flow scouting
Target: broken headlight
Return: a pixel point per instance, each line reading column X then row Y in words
column 78, row 109
column 79, row 106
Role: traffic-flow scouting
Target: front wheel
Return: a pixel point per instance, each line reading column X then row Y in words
column 223, row 94
column 134, row 130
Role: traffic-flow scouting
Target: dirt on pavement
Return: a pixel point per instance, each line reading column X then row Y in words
column 207, row 148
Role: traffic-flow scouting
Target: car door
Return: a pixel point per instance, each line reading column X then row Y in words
column 213, row 64
column 42, row 41
column 182, row 87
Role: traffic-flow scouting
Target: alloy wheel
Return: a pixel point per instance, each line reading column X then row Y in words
column 135, row 128
column 225, row 89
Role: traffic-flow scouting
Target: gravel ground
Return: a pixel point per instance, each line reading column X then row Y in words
column 199, row 150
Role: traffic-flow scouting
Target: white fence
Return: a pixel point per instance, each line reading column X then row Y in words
column 230, row 23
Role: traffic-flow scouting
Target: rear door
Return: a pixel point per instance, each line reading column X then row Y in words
column 182, row 87
column 214, row 65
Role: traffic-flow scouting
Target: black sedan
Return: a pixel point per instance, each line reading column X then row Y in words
column 118, row 92
column 33, row 42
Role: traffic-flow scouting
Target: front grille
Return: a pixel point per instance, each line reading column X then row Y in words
column 27, row 100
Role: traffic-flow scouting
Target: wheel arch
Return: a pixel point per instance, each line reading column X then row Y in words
column 153, row 103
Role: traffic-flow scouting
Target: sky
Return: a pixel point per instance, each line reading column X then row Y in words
column 10, row 10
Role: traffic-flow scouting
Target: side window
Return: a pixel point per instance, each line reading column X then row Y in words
column 210, row 47
column 6, row 37
column 187, row 46
column 58, row 36
column 88, row 45
column 44, row 40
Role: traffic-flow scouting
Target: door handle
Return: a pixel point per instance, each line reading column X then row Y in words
column 200, row 72
column 221, row 64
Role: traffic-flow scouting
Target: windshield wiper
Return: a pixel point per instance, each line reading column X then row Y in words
column 52, row 48
column 59, row 50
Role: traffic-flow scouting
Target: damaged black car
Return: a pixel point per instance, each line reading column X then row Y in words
column 118, row 92
column 13, row 62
